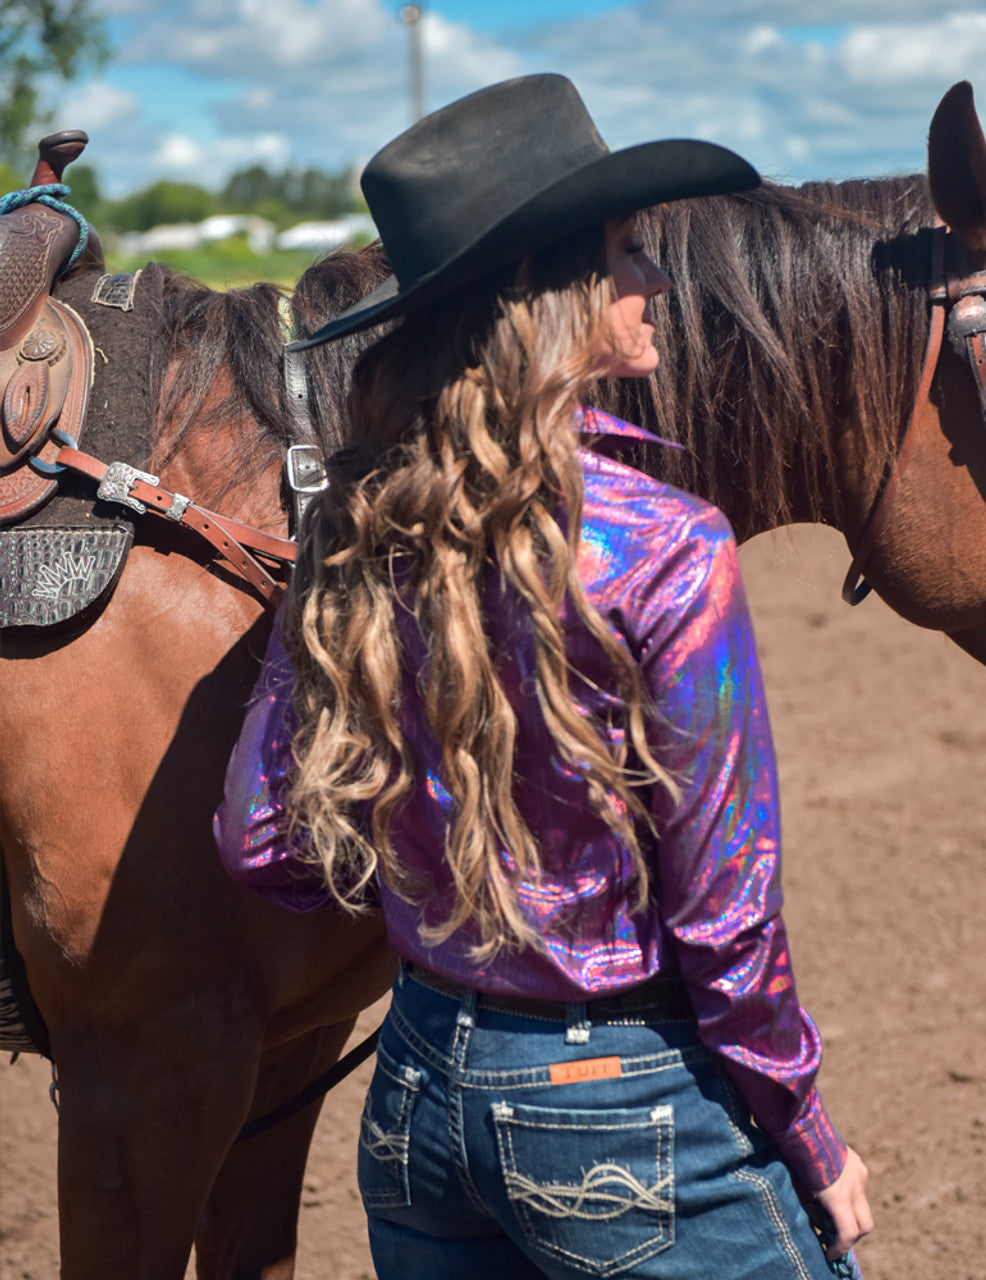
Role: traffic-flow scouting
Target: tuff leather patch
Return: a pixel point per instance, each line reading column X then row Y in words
column 584, row 1070
column 45, row 380
column 116, row 290
column 48, row 576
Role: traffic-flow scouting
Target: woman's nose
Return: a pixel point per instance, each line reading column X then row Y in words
column 658, row 280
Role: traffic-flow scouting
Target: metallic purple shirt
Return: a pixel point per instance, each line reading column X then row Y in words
column 661, row 568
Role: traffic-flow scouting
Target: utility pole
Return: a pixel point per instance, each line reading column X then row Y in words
column 411, row 15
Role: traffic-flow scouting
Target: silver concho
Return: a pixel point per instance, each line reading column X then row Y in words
column 42, row 344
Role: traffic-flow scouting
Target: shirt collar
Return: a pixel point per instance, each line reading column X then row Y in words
column 595, row 422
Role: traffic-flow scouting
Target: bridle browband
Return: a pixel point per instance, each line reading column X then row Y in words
column 958, row 307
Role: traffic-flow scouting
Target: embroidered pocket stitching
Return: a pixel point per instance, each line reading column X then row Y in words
column 596, row 1199
column 389, row 1148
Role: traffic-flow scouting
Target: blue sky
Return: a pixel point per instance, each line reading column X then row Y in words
column 806, row 89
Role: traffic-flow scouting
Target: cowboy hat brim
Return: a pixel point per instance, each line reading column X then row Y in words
column 613, row 185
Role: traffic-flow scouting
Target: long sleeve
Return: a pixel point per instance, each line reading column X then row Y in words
column 250, row 825
column 719, row 853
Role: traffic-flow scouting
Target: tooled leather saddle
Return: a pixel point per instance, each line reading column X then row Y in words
column 46, row 354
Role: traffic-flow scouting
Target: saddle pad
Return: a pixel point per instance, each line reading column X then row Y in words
column 126, row 318
column 49, row 576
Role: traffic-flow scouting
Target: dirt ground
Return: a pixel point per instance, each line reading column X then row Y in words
column 881, row 738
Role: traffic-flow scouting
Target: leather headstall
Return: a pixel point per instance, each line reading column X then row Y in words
column 957, row 296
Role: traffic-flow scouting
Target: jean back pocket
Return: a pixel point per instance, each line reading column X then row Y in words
column 385, row 1135
column 594, row 1189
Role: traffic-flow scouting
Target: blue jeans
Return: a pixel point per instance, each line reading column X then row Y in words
column 499, row 1145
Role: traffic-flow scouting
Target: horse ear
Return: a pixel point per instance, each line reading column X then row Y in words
column 957, row 165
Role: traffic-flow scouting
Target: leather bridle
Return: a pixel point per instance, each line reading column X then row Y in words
column 958, row 308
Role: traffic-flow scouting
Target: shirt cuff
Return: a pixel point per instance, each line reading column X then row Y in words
column 812, row 1147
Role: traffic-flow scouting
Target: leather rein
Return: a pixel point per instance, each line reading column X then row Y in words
column 140, row 491
column 958, row 308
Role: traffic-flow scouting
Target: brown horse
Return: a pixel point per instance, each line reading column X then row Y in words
column 177, row 1005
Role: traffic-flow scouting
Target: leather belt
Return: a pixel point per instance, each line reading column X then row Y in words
column 660, row 999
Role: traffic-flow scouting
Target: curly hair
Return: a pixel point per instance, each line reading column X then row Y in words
column 462, row 456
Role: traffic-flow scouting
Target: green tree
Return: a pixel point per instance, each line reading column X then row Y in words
column 324, row 195
column 247, row 188
column 85, row 193
column 39, row 38
column 290, row 195
column 159, row 203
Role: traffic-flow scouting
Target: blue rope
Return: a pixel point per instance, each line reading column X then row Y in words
column 49, row 195
column 846, row 1267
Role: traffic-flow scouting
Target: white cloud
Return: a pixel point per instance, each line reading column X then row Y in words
column 759, row 39
column 95, row 106
column 952, row 48
column 181, row 155
column 240, row 38
column 179, row 152
column 122, row 8
column 808, row 13
column 843, row 89
column 802, row 99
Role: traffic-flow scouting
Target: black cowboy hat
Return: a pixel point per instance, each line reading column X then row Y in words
column 501, row 173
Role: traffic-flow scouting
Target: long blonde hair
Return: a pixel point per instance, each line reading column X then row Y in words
column 463, row 455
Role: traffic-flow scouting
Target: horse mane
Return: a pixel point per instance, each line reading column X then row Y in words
column 798, row 314
column 224, row 353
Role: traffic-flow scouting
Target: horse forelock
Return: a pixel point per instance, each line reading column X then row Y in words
column 797, row 314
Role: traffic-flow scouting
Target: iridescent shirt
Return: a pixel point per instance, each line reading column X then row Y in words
column 661, row 568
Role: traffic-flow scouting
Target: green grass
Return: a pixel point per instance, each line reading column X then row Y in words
column 228, row 264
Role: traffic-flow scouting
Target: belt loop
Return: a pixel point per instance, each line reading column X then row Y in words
column 401, row 972
column 465, row 1023
column 466, row 1015
column 576, row 1023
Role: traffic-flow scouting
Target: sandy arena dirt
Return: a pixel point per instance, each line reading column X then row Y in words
column 881, row 739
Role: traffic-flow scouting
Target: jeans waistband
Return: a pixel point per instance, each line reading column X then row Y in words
column 659, row 999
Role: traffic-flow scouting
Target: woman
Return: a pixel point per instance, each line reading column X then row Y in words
column 523, row 714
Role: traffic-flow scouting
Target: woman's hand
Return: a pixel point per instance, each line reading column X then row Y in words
column 846, row 1204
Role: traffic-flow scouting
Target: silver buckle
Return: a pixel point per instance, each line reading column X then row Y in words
column 115, row 486
column 967, row 319
column 304, row 458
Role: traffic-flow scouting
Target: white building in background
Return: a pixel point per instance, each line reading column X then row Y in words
column 314, row 237
column 192, row 235
column 259, row 232
column 321, row 237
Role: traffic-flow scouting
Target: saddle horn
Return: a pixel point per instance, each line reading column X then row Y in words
column 56, row 152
